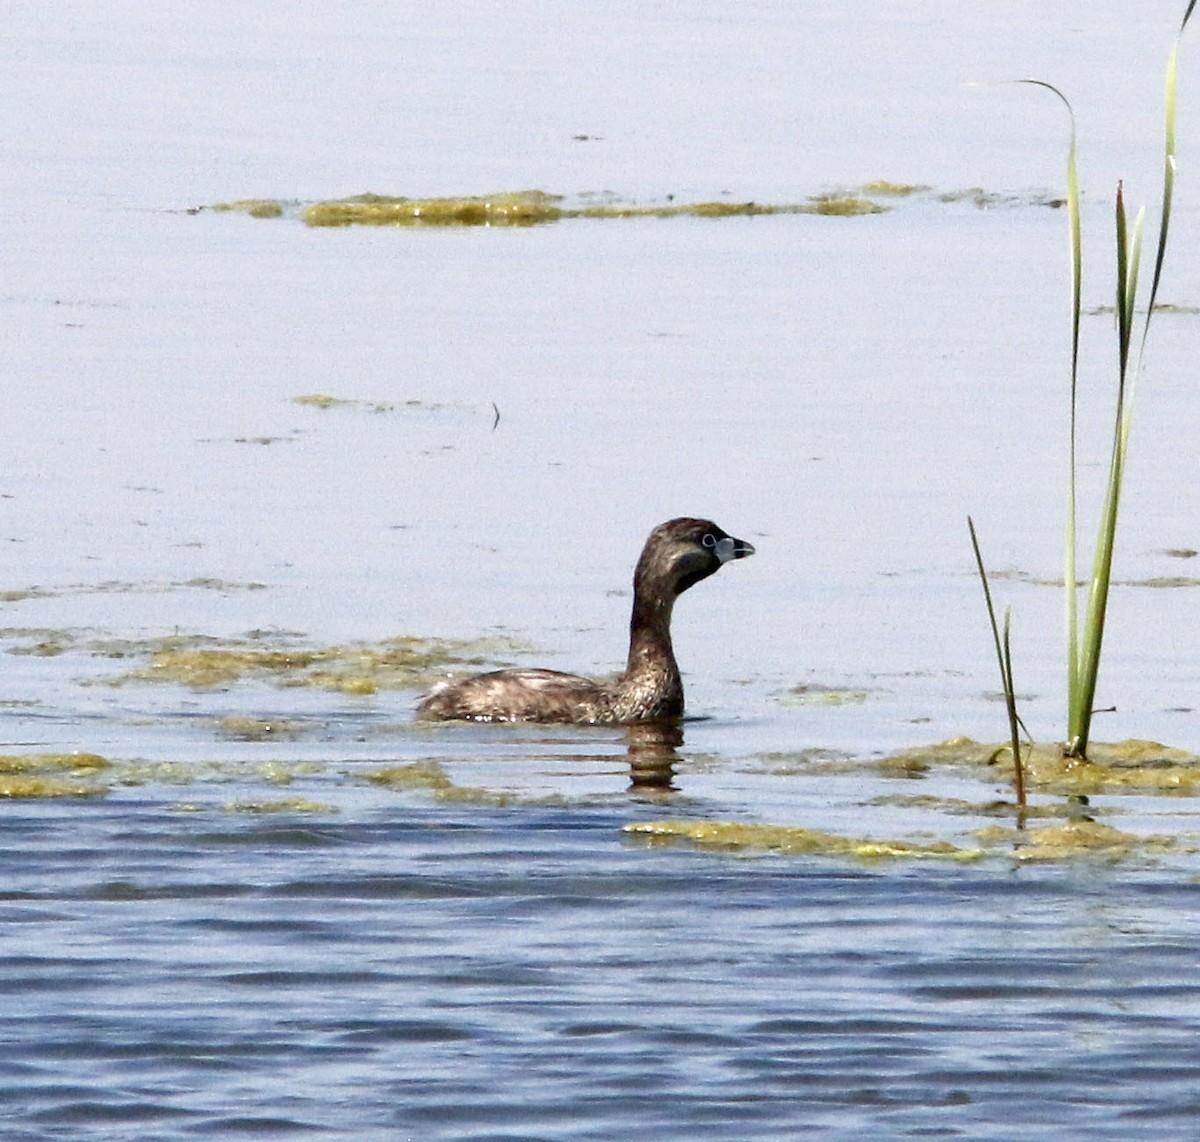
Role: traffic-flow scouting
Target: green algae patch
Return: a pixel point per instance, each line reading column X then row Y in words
column 270, row 772
column 519, row 208
column 17, row 786
column 884, row 188
column 845, row 205
column 814, row 761
column 246, row 729
column 75, row 762
column 961, row 807
column 403, row 662
column 426, row 775
column 526, row 208
column 1128, row 766
column 119, row 587
column 255, row 207
column 324, row 401
column 815, row 694
column 207, row 668
column 280, row 805
column 43, row 648
column 431, row 778
column 1071, row 840
column 1113, row 767
column 51, row 775
column 496, row 798
column 537, row 207
column 793, row 840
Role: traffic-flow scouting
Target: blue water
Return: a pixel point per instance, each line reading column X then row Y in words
column 527, row 973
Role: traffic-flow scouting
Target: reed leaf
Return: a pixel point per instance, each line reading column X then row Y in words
column 1084, row 645
column 1003, row 647
column 1084, row 648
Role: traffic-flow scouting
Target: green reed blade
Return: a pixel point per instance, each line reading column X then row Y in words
column 1004, row 658
column 1010, row 700
column 1075, row 666
column 1082, row 687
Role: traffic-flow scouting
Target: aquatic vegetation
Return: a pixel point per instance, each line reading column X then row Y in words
column 427, row 775
column 983, row 199
column 1085, row 639
column 212, row 772
column 1078, row 836
column 519, row 208
column 282, row 805
column 527, row 208
column 883, row 188
column 51, row 775
column 1118, row 767
column 404, row 662
column 324, row 401
column 250, row 729
column 792, row 840
column 430, row 777
column 120, row 587
column 817, row 694
column 255, row 207
column 1003, row 645
column 534, row 207
column 1071, row 840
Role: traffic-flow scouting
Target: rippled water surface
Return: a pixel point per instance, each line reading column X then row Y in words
column 243, row 894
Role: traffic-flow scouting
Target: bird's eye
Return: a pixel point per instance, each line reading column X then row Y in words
column 709, row 541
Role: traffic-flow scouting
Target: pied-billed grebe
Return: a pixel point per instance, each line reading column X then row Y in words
column 677, row 555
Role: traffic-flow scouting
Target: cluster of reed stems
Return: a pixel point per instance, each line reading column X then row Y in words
column 1085, row 637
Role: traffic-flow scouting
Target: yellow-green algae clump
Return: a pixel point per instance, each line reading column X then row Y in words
column 1131, row 765
column 51, row 775
column 325, row 401
column 430, row 777
column 1070, row 840
column 255, row 207
column 792, row 839
column 403, row 662
column 536, row 207
column 1065, row 841
column 279, row 805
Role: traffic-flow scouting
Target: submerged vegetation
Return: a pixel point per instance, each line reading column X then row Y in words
column 1085, row 639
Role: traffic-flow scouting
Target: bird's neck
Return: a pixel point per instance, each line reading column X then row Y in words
column 650, row 649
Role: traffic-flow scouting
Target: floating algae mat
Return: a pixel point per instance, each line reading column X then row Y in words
column 792, row 839
column 1133, row 766
column 535, row 207
column 1066, row 841
column 538, row 207
column 51, row 775
column 429, row 777
column 403, row 662
column 1060, row 825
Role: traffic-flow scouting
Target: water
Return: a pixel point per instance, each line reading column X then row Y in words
column 286, row 909
column 417, row 972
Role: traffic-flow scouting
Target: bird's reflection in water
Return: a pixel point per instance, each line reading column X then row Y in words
column 652, row 754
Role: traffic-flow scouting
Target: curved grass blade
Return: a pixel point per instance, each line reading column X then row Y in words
column 1004, row 658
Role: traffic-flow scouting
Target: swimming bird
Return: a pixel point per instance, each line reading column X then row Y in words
column 677, row 555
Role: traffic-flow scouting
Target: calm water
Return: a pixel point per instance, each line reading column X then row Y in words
column 249, row 933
